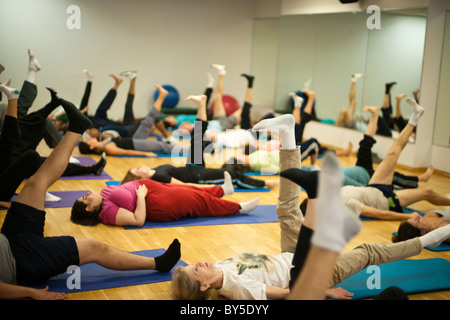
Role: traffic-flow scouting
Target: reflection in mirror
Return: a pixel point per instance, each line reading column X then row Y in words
column 442, row 128
column 350, row 66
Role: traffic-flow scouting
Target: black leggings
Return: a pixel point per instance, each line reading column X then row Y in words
column 129, row 124
column 14, row 170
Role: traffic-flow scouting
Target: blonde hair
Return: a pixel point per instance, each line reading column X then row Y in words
column 129, row 177
column 186, row 288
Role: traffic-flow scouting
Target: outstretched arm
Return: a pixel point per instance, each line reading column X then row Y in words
column 113, row 150
column 370, row 212
column 10, row 291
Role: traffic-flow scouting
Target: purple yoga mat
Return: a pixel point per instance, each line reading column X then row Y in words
column 67, row 198
column 88, row 161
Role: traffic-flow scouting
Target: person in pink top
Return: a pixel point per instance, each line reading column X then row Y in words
column 138, row 201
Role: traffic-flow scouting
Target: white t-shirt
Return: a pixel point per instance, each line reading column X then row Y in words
column 355, row 198
column 7, row 262
column 235, row 138
column 246, row 275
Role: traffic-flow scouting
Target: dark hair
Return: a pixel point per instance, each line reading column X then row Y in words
column 85, row 149
column 405, row 232
column 249, row 149
column 233, row 165
column 81, row 216
column 167, row 124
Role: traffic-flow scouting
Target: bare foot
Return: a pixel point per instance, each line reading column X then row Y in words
column 161, row 90
column 427, row 175
column 349, row 149
column 272, row 184
column 197, row 98
column 372, row 109
column 400, row 96
column 309, row 93
column 117, row 79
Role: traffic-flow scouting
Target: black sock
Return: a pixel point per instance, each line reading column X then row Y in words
column 249, row 79
column 78, row 122
column 99, row 166
column 308, row 180
column 389, row 86
column 166, row 261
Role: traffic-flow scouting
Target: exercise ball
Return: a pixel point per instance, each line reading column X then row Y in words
column 230, row 104
column 172, row 98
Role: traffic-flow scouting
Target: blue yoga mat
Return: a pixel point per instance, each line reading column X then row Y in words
column 87, row 161
column 117, row 183
column 158, row 155
column 410, row 275
column 67, row 198
column 260, row 174
column 95, row 277
column 262, row 214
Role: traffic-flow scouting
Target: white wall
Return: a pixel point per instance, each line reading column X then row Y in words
column 168, row 42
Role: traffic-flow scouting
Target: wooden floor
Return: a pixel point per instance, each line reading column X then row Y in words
column 206, row 243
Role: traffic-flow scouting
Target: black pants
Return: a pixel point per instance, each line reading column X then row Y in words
column 364, row 154
column 14, row 171
column 125, row 128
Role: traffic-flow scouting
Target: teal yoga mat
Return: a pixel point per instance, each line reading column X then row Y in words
column 262, row 214
column 410, row 275
column 95, row 277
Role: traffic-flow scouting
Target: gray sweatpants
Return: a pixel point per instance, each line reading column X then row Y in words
column 348, row 263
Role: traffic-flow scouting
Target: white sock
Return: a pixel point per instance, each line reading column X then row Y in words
column 33, row 67
column 51, row 198
column 220, row 68
column 434, row 238
column 314, row 167
column 298, row 101
column 74, row 160
column 248, row 206
column 356, row 76
column 88, row 74
column 129, row 74
column 336, row 225
column 417, row 111
column 227, row 184
column 210, row 82
column 11, row 93
column 307, row 84
column 285, row 126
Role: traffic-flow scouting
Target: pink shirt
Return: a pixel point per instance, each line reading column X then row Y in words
column 115, row 197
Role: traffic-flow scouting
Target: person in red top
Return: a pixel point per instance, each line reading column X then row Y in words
column 138, row 201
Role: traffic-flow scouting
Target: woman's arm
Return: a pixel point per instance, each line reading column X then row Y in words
column 371, row 212
column 10, row 291
column 5, row 204
column 137, row 218
column 276, row 292
column 113, row 150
